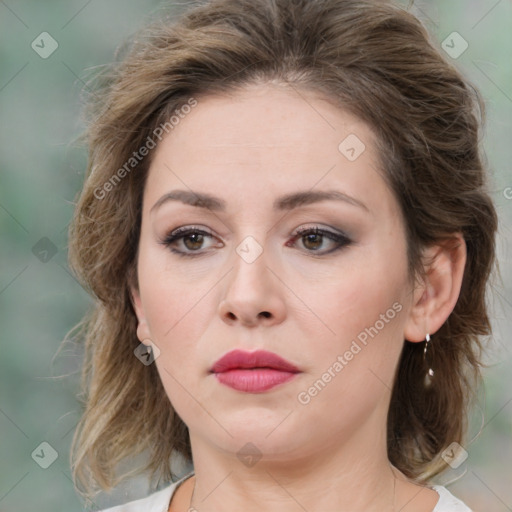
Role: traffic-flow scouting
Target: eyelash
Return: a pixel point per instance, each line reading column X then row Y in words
column 180, row 233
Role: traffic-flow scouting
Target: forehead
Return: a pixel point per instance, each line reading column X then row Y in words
column 263, row 139
column 268, row 116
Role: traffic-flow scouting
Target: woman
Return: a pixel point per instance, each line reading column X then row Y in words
column 286, row 228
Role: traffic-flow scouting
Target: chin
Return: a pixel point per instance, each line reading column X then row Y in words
column 263, row 430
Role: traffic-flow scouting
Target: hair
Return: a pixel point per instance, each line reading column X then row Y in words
column 369, row 58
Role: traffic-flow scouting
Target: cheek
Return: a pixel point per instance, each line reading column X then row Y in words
column 354, row 369
column 173, row 298
column 358, row 295
column 363, row 306
column 175, row 313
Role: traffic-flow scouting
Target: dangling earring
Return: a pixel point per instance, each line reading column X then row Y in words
column 430, row 373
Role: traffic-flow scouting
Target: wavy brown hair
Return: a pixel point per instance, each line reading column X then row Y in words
column 370, row 58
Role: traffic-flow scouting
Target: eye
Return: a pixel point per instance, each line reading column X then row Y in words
column 313, row 239
column 191, row 238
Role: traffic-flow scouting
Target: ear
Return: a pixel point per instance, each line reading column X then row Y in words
column 435, row 297
column 143, row 332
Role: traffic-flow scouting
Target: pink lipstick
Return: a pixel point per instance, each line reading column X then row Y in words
column 253, row 372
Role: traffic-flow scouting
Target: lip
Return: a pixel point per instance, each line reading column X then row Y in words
column 253, row 372
column 240, row 359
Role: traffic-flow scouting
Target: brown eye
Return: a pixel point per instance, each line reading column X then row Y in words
column 196, row 240
column 313, row 239
column 190, row 239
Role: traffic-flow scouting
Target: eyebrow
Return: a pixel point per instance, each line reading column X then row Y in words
column 287, row 202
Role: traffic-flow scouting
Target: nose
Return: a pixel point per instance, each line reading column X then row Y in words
column 254, row 294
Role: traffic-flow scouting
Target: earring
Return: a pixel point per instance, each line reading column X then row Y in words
column 430, row 373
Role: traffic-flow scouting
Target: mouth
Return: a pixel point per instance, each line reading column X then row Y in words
column 253, row 372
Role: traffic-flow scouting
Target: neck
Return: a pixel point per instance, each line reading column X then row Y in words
column 348, row 476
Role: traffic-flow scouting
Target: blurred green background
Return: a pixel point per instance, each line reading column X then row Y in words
column 41, row 170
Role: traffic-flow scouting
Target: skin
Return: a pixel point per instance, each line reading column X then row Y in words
column 249, row 148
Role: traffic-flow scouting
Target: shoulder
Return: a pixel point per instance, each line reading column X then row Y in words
column 156, row 502
column 448, row 502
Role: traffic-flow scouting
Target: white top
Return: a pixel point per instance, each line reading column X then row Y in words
column 160, row 500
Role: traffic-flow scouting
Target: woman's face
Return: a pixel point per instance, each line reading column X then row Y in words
column 335, row 304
